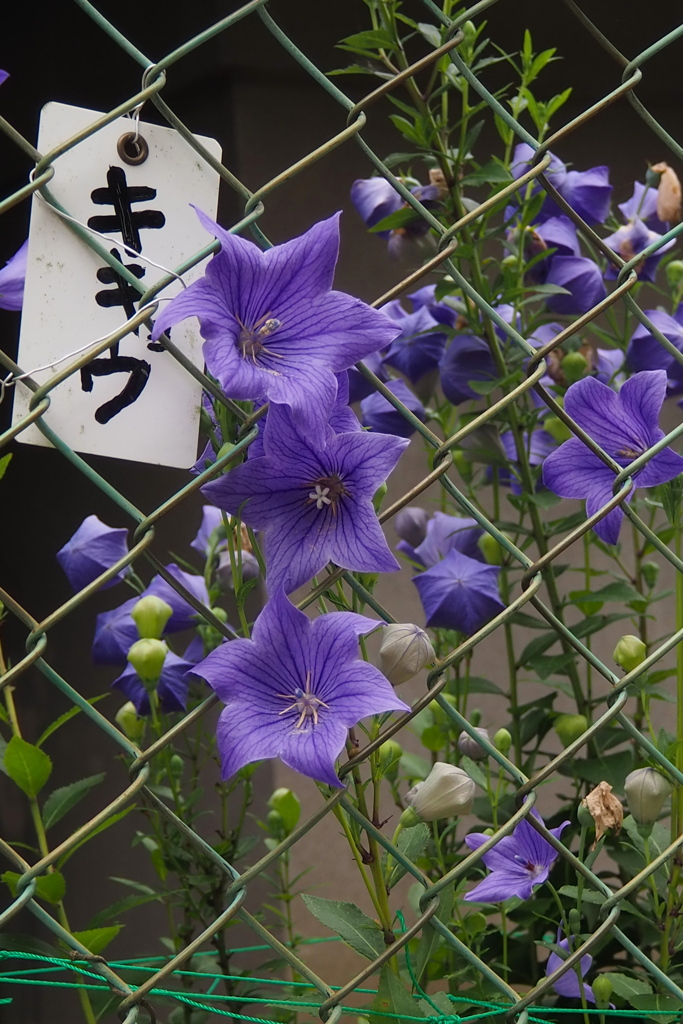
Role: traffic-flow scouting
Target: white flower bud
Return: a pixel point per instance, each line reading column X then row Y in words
column 147, row 658
column 468, row 746
column 447, row 791
column 129, row 723
column 405, row 650
column 150, row 614
column 646, row 790
column 630, row 652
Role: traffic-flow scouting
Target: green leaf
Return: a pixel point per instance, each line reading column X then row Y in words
column 349, row 921
column 123, row 905
column 413, row 766
column 28, row 766
column 374, row 39
column 392, row 999
column 61, row 800
column 490, row 173
column 430, row 33
column 613, row 769
column 97, row 939
column 430, row 937
column 95, row 832
column 412, row 843
column 66, row 717
column 626, row 987
column 287, row 805
column 406, row 129
column 398, row 219
column 48, row 887
column 657, row 1003
column 4, row 463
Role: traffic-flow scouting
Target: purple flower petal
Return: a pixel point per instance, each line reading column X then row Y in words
column 381, row 416
column 588, row 193
column 212, row 519
column 517, row 862
column 419, row 346
column 582, row 279
column 466, row 359
column 13, row 276
column 93, row 549
column 448, row 533
column 459, row 593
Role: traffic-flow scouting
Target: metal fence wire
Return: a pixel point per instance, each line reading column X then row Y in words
column 137, row 997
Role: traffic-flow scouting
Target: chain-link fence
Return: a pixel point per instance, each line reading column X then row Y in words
column 136, row 998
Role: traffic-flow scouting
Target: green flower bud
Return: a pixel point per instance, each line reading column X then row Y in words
column 147, row 658
column 405, row 651
column 470, row 33
column 574, row 367
column 570, row 727
column 225, row 449
column 379, row 497
column 442, row 717
column 129, row 723
column 447, row 791
column 674, row 273
column 488, row 831
column 390, row 753
column 462, row 464
column 584, row 816
column 490, row 549
column 475, row 923
column 220, row 613
column 274, row 823
column 502, row 741
column 150, row 614
column 646, row 790
column 602, row 990
column 286, row 804
column 574, row 921
column 475, row 717
column 557, row 429
column 630, row 652
column 176, row 766
column 650, row 571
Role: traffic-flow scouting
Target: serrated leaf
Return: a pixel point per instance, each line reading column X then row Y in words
column 392, row 999
column 48, row 887
column 370, row 40
column 430, row 938
column 412, row 843
column 61, row 800
column 349, row 921
column 626, row 987
column 97, row 939
column 657, row 1002
column 28, row 766
column 66, row 717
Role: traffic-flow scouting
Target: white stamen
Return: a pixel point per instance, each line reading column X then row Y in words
column 319, row 496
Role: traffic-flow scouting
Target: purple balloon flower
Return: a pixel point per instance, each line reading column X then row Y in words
column 410, row 525
column 313, row 501
column 419, row 346
column 273, row 327
column 467, row 358
column 644, row 352
column 376, row 198
column 13, row 278
column 581, row 278
column 93, row 549
column 588, row 193
column 568, row 984
column 624, row 424
column 359, row 387
column 559, row 233
column 444, row 312
column 459, row 593
column 539, row 444
column 4, row 75
column 212, row 519
column 630, row 239
column 445, row 533
column 517, row 862
column 643, row 204
column 294, row 689
column 381, row 416
column 115, row 631
column 171, row 688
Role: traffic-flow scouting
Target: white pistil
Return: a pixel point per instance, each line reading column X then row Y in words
column 305, row 703
column 320, row 496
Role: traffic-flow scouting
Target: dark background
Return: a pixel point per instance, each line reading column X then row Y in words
column 246, row 91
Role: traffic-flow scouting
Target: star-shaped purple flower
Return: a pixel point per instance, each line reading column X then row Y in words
column 517, row 863
column 643, row 204
column 582, row 280
column 644, row 351
column 376, row 198
column 625, row 425
column 459, row 593
column 568, row 984
column 273, row 327
column 538, row 443
column 630, row 239
column 13, row 278
column 212, row 520
column 171, row 688
column 294, row 689
column 93, row 549
column 444, row 533
column 466, row 359
column 312, row 500
column 381, row 416
column 419, row 346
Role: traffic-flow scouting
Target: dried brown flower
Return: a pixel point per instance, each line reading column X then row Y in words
column 605, row 809
column 668, row 193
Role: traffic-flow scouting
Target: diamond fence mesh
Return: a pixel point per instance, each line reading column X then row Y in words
column 136, row 999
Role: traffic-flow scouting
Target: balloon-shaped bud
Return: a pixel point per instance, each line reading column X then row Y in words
column 150, row 614
column 447, row 791
column 557, row 429
column 490, row 549
column 411, row 524
column 650, row 571
column 502, row 741
column 646, row 790
column 570, row 727
column 129, row 723
column 674, row 273
column 405, row 651
column 286, row 804
column 574, row 367
column 147, row 658
column 176, row 766
column 630, row 652
column 602, row 990
column 390, row 753
column 378, row 497
column 468, row 746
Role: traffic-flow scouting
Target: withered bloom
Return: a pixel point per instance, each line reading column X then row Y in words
column 605, row 809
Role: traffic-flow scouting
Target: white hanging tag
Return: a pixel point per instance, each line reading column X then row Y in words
column 72, row 297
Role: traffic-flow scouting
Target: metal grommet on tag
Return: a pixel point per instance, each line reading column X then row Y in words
column 132, row 148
